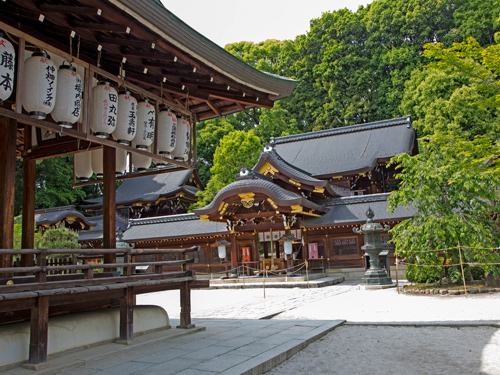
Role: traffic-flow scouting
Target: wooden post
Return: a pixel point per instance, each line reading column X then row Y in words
column 39, row 331
column 185, row 306
column 127, row 317
column 234, row 256
column 8, row 129
column 109, row 202
column 28, row 225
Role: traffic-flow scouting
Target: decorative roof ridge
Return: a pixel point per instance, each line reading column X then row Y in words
column 55, row 209
column 343, row 201
column 246, row 173
column 274, row 154
column 343, row 130
column 163, row 219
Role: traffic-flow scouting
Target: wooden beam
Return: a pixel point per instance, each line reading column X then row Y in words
column 214, row 108
column 28, row 224
column 8, row 130
column 234, row 256
column 68, row 9
column 129, row 52
column 185, row 307
column 101, row 27
column 125, row 42
column 127, row 317
column 109, row 202
column 39, row 331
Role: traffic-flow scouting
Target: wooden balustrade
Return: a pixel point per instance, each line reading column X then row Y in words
column 48, row 284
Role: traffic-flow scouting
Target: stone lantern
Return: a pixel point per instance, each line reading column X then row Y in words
column 374, row 276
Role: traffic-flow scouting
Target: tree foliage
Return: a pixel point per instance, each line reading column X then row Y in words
column 453, row 184
column 59, row 238
column 236, row 149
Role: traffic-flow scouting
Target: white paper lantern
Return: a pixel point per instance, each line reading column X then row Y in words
column 183, row 143
column 96, row 161
column 105, row 109
column 167, row 127
column 40, row 85
column 126, row 121
column 140, row 162
column 82, row 166
column 159, row 162
column 67, row 109
column 288, row 247
column 222, row 251
column 121, row 161
column 146, row 115
column 7, row 68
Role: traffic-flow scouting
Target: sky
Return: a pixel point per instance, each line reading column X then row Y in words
column 230, row 21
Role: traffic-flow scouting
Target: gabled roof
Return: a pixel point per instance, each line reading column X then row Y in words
column 271, row 164
column 150, row 188
column 172, row 226
column 347, row 150
column 54, row 215
column 96, row 233
column 255, row 183
column 349, row 210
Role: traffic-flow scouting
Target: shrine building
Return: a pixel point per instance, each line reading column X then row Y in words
column 316, row 186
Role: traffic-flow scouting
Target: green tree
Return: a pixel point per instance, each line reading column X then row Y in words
column 59, row 238
column 446, row 101
column 209, row 134
column 276, row 122
column 479, row 19
column 453, row 185
column 468, row 58
column 236, row 149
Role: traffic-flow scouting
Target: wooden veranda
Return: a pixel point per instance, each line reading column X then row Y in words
column 134, row 44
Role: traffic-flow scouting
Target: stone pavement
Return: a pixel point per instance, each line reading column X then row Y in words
column 225, row 347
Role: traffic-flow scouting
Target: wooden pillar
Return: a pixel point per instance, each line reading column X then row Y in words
column 127, row 316
column 185, row 306
column 8, row 129
column 39, row 331
column 28, row 234
column 109, row 202
column 234, row 256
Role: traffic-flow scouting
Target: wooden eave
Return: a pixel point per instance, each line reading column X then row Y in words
column 226, row 205
column 179, row 61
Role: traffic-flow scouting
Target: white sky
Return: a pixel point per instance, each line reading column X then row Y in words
column 230, row 21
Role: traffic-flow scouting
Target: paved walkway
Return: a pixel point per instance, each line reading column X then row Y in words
column 252, row 330
column 225, row 347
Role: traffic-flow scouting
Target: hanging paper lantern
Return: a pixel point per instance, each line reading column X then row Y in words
column 183, row 143
column 7, row 68
column 82, row 166
column 140, row 162
column 167, row 127
column 40, row 85
column 121, row 161
column 159, row 162
column 104, row 110
column 67, row 109
column 96, row 161
column 126, row 121
column 146, row 114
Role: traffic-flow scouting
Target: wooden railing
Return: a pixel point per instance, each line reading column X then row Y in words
column 40, row 286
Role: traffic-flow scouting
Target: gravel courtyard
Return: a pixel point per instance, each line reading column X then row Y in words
column 385, row 332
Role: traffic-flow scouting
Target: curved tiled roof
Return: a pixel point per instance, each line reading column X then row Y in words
column 149, row 188
column 350, row 149
column 56, row 214
column 172, row 226
column 171, row 28
column 353, row 209
column 258, row 184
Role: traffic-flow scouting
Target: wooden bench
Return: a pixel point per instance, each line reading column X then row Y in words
column 92, row 286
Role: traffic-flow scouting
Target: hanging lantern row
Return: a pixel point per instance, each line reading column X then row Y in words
column 87, row 163
column 59, row 93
